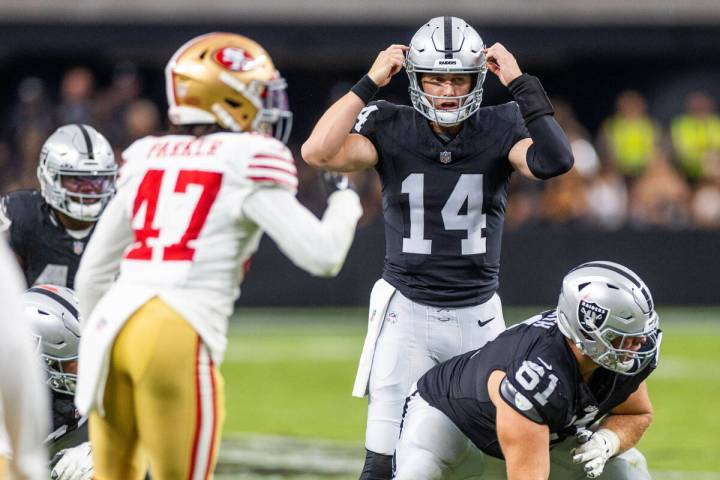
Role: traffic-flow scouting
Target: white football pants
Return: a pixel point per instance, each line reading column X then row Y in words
column 431, row 447
column 413, row 339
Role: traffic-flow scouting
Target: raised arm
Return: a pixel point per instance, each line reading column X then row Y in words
column 547, row 152
column 331, row 146
column 524, row 443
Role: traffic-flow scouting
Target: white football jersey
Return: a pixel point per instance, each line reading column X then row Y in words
column 188, row 215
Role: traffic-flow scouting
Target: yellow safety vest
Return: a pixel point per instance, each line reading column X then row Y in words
column 632, row 142
column 693, row 138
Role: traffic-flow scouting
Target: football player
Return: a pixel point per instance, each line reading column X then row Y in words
column 189, row 212
column 572, row 378
column 49, row 229
column 23, row 399
column 54, row 320
column 445, row 165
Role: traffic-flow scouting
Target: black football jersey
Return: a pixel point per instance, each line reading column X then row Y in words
column 543, row 383
column 47, row 252
column 69, row 428
column 443, row 202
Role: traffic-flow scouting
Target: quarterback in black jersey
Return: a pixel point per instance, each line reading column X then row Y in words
column 445, row 165
column 571, row 379
column 49, row 229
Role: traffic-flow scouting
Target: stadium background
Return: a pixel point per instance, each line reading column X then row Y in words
column 289, row 369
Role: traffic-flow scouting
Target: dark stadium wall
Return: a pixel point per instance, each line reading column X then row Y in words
column 679, row 267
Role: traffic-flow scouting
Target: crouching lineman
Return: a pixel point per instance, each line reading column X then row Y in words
column 189, row 212
column 49, row 229
column 565, row 376
column 53, row 315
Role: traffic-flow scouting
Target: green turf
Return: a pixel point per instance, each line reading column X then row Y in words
column 290, row 372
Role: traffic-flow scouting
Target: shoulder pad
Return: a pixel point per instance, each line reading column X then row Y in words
column 519, row 401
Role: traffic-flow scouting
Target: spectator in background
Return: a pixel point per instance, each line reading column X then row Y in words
column 564, row 199
column 660, row 197
column 31, row 121
column 629, row 138
column 696, row 134
column 705, row 206
column 115, row 101
column 76, row 95
column 587, row 162
column 607, row 199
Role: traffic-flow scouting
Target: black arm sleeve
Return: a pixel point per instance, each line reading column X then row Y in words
column 550, row 155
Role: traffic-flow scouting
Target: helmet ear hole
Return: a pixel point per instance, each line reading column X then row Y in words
column 203, row 54
column 233, row 103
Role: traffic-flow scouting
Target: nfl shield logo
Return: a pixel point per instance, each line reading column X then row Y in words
column 78, row 247
column 591, row 315
column 445, row 157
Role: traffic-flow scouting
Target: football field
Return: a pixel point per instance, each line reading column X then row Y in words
column 289, row 373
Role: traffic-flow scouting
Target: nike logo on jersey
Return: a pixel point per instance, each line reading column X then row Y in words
column 547, row 365
column 482, row 324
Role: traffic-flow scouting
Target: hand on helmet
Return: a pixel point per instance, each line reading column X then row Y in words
column 389, row 62
column 596, row 450
column 502, row 63
column 334, row 182
column 73, row 463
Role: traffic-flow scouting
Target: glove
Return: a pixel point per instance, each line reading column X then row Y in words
column 596, row 451
column 73, row 463
column 334, row 182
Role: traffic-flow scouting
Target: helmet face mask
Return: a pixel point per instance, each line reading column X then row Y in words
column 608, row 313
column 446, row 45
column 54, row 322
column 77, row 172
column 229, row 80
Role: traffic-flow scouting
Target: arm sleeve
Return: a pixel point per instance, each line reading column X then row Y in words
column 318, row 247
column 24, row 394
column 100, row 263
column 550, row 154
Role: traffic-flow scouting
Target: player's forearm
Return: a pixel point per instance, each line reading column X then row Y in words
column 628, row 428
column 331, row 131
column 550, row 154
column 318, row 247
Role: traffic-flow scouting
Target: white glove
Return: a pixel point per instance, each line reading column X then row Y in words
column 596, row 451
column 75, row 464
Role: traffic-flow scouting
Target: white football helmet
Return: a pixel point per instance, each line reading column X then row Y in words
column 55, row 324
column 77, row 172
column 602, row 307
column 446, row 45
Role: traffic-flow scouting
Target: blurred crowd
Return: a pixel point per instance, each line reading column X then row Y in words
column 636, row 172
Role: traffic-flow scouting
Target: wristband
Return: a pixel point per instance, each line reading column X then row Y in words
column 530, row 97
column 366, row 89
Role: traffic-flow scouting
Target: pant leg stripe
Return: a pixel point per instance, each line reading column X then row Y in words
column 207, row 424
column 213, row 402
column 198, row 412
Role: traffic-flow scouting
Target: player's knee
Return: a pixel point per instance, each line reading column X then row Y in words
column 377, row 466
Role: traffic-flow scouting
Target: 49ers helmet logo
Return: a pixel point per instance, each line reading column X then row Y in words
column 235, row 59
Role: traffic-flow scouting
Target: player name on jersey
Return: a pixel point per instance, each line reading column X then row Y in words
column 197, row 147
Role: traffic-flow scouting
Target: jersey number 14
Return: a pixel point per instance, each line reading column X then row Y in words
column 468, row 188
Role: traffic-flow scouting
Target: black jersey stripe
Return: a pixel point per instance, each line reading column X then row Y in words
column 634, row 279
column 448, row 47
column 88, row 142
column 69, row 306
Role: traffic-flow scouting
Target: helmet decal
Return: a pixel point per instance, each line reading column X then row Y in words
column 236, row 59
column 591, row 315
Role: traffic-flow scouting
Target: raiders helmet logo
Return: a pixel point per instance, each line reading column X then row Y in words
column 591, row 315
